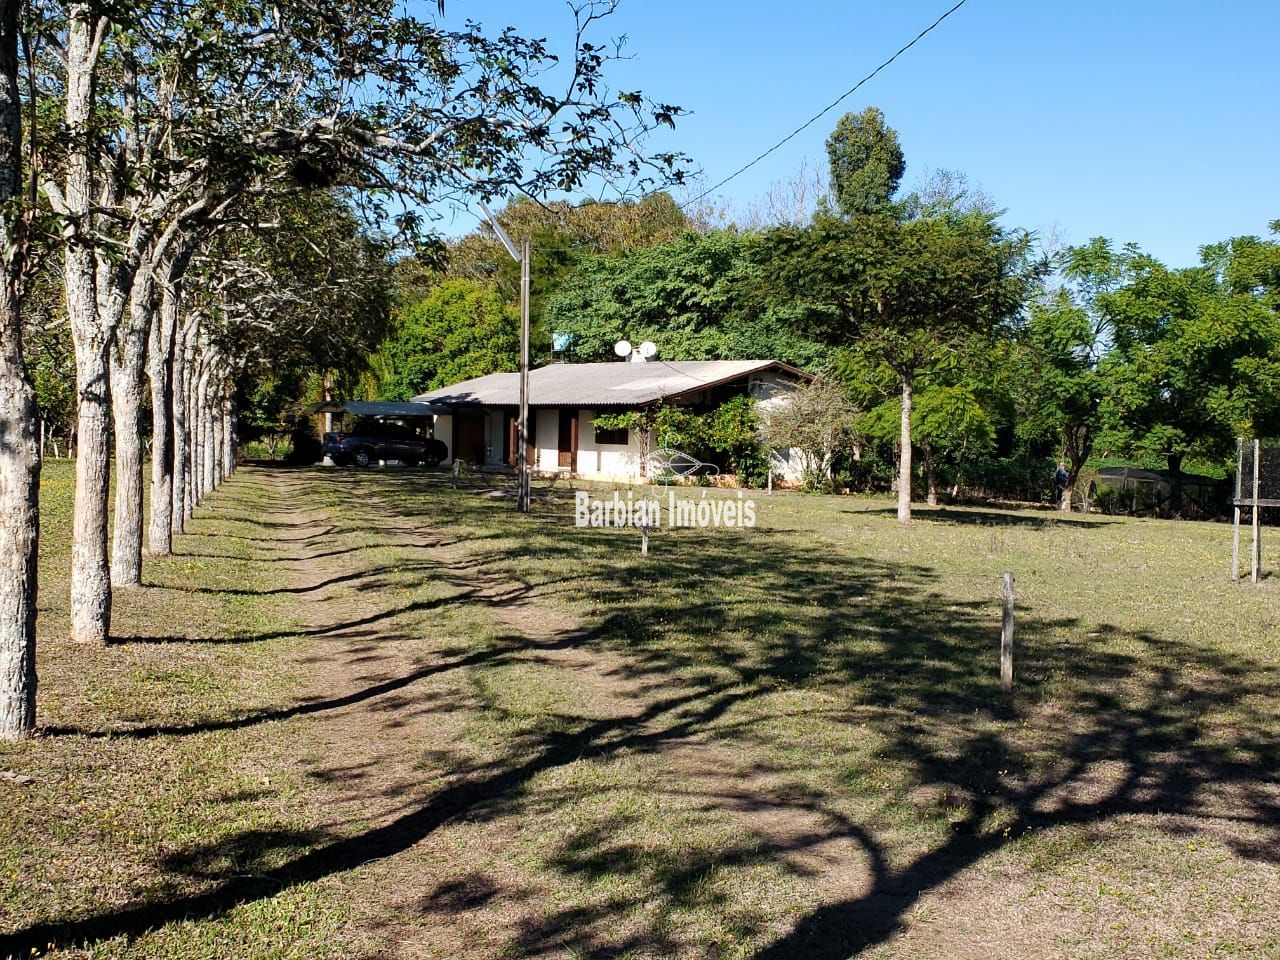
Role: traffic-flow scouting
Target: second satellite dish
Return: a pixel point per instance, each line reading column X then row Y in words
column 622, row 348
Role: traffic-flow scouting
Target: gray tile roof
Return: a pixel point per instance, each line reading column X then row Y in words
column 601, row 384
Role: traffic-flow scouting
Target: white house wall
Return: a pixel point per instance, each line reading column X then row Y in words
column 788, row 463
column 606, row 461
column 547, row 436
column 770, row 389
column 442, row 430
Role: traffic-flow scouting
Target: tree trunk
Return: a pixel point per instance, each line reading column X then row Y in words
column 145, row 327
column 90, row 575
column 1074, row 467
column 931, row 475
column 90, row 572
column 126, row 405
column 19, row 452
column 1078, row 446
column 229, row 446
column 218, row 422
column 194, row 474
column 195, row 478
column 19, row 527
column 1175, row 485
column 185, row 500
column 160, row 372
column 205, row 444
column 181, row 453
column 904, row 455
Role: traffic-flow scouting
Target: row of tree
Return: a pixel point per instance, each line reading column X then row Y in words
column 209, row 190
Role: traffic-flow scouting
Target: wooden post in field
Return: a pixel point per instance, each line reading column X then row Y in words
column 644, row 540
column 1257, row 512
column 1235, row 527
column 1006, row 636
column 1235, row 547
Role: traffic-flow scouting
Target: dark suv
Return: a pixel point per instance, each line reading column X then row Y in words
column 369, row 441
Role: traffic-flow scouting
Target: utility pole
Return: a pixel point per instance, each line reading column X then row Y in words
column 522, row 430
column 522, row 257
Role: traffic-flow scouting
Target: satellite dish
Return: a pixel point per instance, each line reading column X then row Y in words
column 648, row 349
column 622, row 348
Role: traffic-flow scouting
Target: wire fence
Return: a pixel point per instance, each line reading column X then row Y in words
column 1257, row 489
column 1257, row 473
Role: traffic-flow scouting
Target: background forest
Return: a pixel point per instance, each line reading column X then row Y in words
column 1016, row 355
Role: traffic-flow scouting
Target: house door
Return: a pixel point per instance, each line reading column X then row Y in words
column 568, row 445
column 469, row 439
column 511, row 443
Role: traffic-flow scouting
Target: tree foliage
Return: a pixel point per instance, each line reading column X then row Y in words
column 730, row 432
column 906, row 294
column 902, row 292
column 814, row 419
column 866, row 163
column 695, row 297
column 1059, row 385
column 1194, row 357
column 561, row 235
column 461, row 329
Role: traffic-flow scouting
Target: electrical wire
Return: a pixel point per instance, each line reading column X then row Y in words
column 827, row 109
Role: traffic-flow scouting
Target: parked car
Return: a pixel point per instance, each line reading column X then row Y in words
column 369, row 441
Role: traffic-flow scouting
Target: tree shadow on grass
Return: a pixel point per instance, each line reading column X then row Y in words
column 994, row 518
column 1140, row 724
column 374, row 691
column 345, row 627
column 363, row 577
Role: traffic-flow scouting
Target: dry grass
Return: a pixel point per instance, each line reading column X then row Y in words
column 453, row 731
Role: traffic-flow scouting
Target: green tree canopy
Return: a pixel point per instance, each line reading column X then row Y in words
column 866, row 162
column 461, row 329
column 561, row 235
column 907, row 294
column 695, row 297
column 1196, row 356
column 1058, row 384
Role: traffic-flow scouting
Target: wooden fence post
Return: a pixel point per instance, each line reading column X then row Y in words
column 1235, row 546
column 1257, row 512
column 1006, row 636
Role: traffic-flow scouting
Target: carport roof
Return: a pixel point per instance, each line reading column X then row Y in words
column 368, row 408
column 614, row 384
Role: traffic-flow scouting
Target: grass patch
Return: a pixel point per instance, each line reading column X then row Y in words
column 781, row 742
column 119, row 809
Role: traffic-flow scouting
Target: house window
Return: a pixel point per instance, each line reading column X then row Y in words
column 611, row 437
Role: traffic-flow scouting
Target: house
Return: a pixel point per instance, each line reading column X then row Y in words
column 566, row 398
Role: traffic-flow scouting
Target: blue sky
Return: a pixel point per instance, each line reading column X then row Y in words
column 1155, row 122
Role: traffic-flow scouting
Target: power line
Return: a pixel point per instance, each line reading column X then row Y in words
column 828, row 108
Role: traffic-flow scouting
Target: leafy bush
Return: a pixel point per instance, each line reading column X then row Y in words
column 872, row 473
column 731, row 431
column 1022, row 476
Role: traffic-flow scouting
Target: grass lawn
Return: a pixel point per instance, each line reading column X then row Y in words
column 366, row 714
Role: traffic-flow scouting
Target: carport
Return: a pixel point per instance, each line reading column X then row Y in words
column 410, row 410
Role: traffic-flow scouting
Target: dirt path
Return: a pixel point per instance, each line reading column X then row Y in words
column 388, row 756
